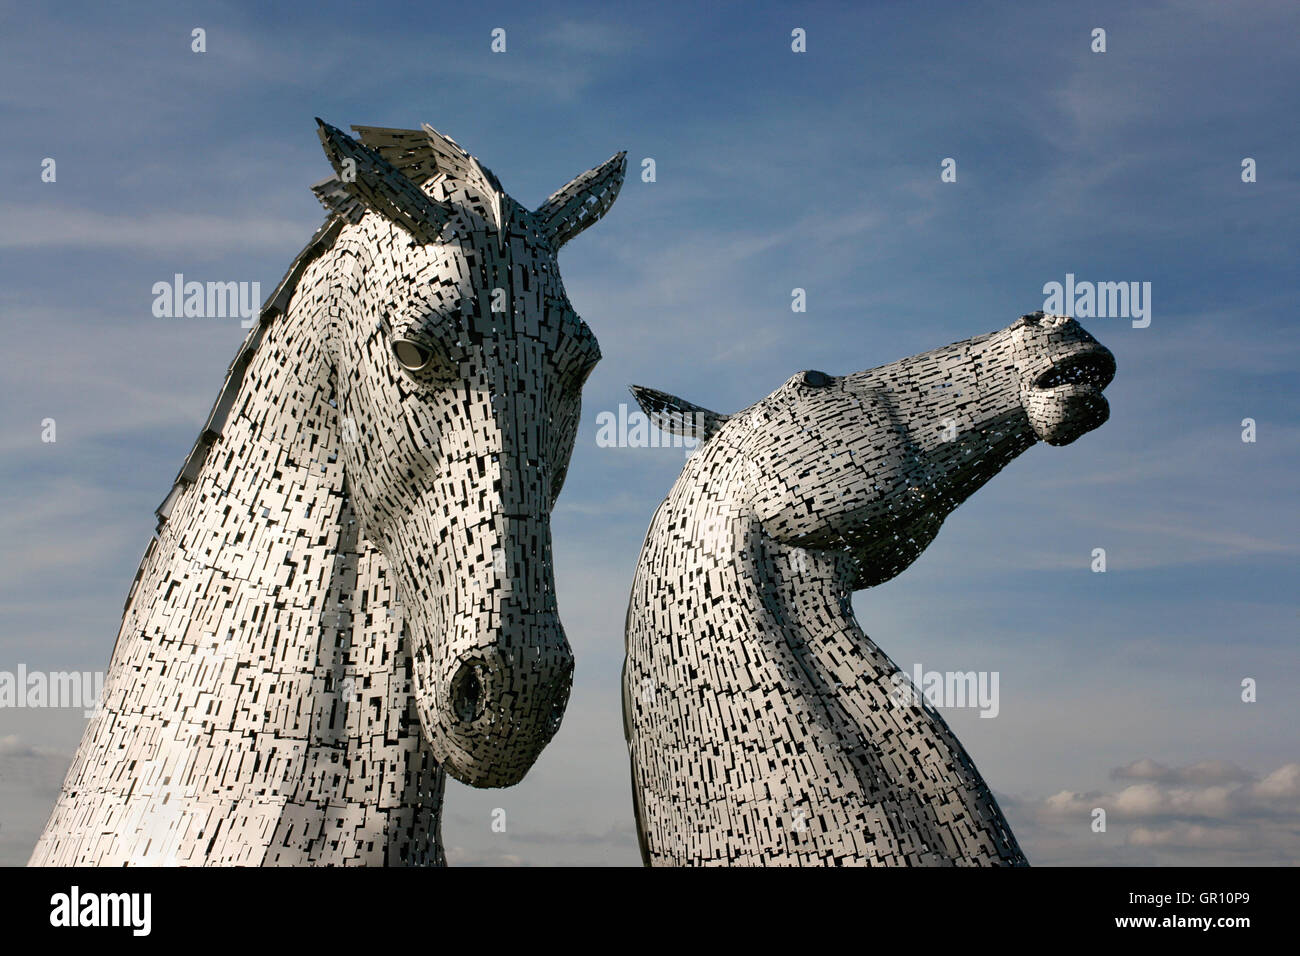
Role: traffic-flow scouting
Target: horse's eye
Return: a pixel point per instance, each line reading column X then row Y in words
column 816, row 379
column 411, row 355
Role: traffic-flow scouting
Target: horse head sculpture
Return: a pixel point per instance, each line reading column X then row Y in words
column 350, row 592
column 460, row 363
column 762, row 722
column 872, row 462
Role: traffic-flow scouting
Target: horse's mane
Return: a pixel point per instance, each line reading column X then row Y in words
column 421, row 155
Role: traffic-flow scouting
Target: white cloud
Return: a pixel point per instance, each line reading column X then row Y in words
column 1210, row 810
column 1193, row 836
column 12, row 745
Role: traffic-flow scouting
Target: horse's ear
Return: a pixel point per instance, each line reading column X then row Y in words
column 454, row 161
column 362, row 174
column 677, row 416
column 581, row 202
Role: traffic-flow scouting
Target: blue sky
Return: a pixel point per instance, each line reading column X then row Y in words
column 775, row 170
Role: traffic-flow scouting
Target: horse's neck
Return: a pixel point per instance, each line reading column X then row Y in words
column 773, row 650
column 258, row 700
column 775, row 594
column 264, row 521
column 712, row 584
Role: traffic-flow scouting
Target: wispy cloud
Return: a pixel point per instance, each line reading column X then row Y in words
column 41, row 227
column 1210, row 811
column 589, row 37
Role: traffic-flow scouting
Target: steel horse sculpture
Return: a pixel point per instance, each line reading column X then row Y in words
column 395, row 429
column 763, row 725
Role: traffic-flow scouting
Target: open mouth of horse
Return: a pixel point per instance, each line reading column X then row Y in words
column 1088, row 369
column 1065, row 400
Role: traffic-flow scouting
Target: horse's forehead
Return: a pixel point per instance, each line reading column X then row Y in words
column 471, row 258
column 433, row 284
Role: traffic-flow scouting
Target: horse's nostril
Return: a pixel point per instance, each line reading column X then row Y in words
column 467, row 695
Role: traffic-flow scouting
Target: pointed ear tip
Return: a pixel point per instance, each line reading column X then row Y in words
column 330, row 134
